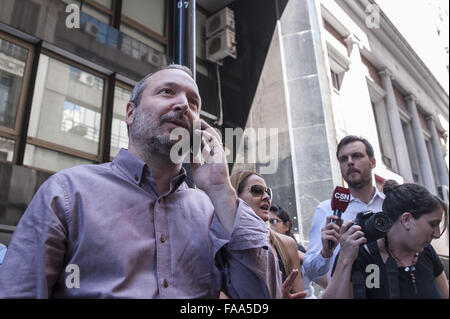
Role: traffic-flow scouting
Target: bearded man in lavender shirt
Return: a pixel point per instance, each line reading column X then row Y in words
column 132, row 228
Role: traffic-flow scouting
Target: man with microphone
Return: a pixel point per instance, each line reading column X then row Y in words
column 356, row 159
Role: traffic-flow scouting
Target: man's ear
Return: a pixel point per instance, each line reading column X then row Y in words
column 373, row 162
column 129, row 118
column 405, row 220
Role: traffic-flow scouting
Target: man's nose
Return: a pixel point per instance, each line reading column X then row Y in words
column 350, row 161
column 182, row 103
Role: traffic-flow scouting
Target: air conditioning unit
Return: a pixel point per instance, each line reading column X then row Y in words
column 219, row 21
column 221, row 45
column 86, row 78
column 91, row 28
column 155, row 59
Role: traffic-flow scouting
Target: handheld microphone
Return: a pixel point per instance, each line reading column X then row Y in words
column 339, row 203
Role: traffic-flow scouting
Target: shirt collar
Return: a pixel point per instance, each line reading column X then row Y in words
column 135, row 169
column 375, row 195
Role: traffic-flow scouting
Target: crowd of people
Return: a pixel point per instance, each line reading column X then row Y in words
column 132, row 228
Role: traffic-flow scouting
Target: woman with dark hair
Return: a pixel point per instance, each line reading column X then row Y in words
column 403, row 264
column 281, row 222
column 251, row 188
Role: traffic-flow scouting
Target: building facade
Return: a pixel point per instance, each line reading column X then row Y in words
column 337, row 68
column 313, row 70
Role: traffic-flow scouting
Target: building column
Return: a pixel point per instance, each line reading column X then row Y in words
column 355, row 92
column 398, row 138
column 422, row 152
column 440, row 162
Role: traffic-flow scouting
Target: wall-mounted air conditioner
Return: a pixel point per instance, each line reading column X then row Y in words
column 155, row 58
column 86, row 78
column 219, row 21
column 221, row 45
column 91, row 28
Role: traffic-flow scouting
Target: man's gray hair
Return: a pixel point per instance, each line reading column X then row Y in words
column 136, row 94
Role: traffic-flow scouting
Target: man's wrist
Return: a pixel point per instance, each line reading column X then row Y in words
column 326, row 254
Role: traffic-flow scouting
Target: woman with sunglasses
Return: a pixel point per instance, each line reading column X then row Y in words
column 251, row 188
column 281, row 222
column 407, row 265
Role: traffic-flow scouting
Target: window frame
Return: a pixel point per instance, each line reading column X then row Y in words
column 125, row 86
column 116, row 18
column 164, row 40
column 35, row 141
column 17, row 132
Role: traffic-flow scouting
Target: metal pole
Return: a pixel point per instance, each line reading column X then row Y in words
column 184, row 47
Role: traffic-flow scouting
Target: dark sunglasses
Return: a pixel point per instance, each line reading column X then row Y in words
column 259, row 190
column 275, row 221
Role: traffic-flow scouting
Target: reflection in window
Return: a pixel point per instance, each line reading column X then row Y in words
column 95, row 13
column 119, row 132
column 50, row 160
column 12, row 67
column 105, row 3
column 201, row 34
column 133, row 41
column 6, row 149
column 149, row 14
column 100, row 30
column 81, row 121
column 67, row 105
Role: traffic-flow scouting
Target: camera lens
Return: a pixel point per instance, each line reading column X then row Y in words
column 382, row 222
column 379, row 222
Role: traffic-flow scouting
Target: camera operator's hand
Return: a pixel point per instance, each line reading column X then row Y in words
column 330, row 232
column 351, row 237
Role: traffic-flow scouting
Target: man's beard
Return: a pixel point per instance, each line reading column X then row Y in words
column 360, row 183
column 146, row 130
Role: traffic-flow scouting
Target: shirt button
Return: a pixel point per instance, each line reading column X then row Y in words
column 136, row 178
column 162, row 239
column 165, row 283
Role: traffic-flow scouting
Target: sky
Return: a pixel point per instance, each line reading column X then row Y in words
column 416, row 20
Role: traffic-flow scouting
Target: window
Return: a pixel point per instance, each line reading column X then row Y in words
column 6, row 149
column 65, row 115
column 432, row 159
column 145, row 14
column 412, row 153
column 12, row 66
column 386, row 160
column 102, row 10
column 119, row 131
column 201, row 66
column 49, row 160
column 336, row 80
column 145, row 21
column 15, row 64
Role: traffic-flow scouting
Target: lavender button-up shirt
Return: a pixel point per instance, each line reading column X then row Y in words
column 103, row 231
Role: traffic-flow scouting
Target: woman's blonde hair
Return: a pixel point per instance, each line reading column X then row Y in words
column 238, row 182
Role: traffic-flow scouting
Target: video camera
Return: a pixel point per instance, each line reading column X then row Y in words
column 373, row 225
